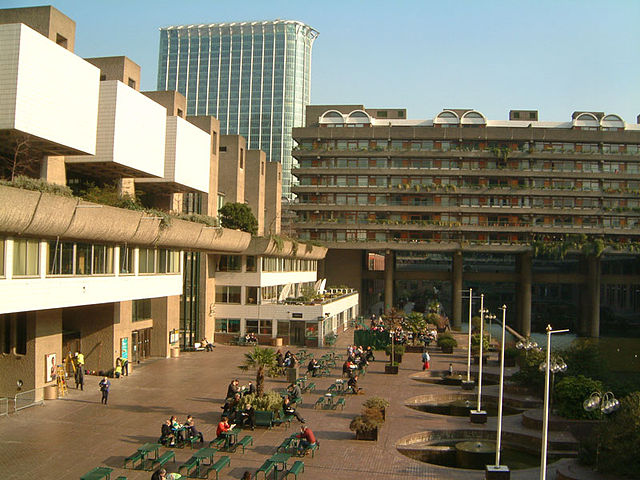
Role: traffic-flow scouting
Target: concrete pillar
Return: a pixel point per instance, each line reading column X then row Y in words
column 127, row 186
column 52, row 170
column 165, row 312
column 456, row 287
column 48, row 340
column 389, row 269
column 593, row 290
column 208, row 296
column 524, row 287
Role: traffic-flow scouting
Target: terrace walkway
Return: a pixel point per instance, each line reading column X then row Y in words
column 66, row 438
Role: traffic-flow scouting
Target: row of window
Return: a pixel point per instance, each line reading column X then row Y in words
column 524, row 164
column 265, row 326
column 80, row 259
column 446, row 145
column 13, row 333
column 248, row 263
column 258, row 295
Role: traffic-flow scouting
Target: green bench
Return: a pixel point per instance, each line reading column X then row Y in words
column 340, row 403
column 284, row 446
column 121, row 477
column 319, row 402
column 192, row 440
column 162, row 459
column 264, row 418
column 311, row 448
column 217, row 442
column 296, row 469
column 219, row 465
column 266, row 468
column 132, row 459
column 244, row 442
column 310, row 388
column 97, row 473
column 283, row 418
column 188, row 466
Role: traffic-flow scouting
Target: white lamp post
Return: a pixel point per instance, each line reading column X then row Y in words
column 606, row 404
column 468, row 384
column 497, row 470
column 545, row 414
column 479, row 415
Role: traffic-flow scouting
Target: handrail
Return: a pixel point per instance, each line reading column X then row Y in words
column 29, row 398
column 514, row 333
column 4, row 406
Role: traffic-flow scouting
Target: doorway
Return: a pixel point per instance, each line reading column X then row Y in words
column 297, row 333
column 70, row 345
column 140, row 345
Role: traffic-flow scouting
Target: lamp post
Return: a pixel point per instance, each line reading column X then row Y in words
column 479, row 415
column 545, row 414
column 606, row 404
column 558, row 365
column 500, row 471
column 468, row 384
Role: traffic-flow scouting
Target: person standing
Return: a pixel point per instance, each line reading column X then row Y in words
column 80, row 378
column 425, row 360
column 104, row 384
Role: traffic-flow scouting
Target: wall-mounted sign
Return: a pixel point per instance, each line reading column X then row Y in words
column 50, row 367
column 174, row 337
column 296, row 315
column 124, row 347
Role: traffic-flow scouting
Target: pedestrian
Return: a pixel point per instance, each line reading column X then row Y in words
column 125, row 366
column 104, row 384
column 425, row 359
column 79, row 378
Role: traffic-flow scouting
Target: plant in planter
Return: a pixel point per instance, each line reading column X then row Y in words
column 262, row 359
column 377, row 403
column 393, row 321
column 511, row 354
column 447, row 343
column 391, row 368
column 366, row 425
column 475, row 346
column 399, row 352
column 416, row 324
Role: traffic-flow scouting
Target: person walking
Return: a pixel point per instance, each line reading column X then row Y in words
column 425, row 360
column 104, row 384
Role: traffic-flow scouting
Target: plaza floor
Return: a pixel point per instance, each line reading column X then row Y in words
column 68, row 437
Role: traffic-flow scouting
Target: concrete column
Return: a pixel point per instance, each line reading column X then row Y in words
column 456, row 287
column 207, row 296
column 48, row 340
column 52, row 169
column 524, row 321
column 389, row 269
column 165, row 312
column 127, row 186
column 593, row 290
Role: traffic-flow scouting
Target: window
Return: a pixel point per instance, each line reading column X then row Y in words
column 102, row 260
column 223, row 148
column 230, row 263
column 21, row 333
column 227, row 325
column 242, row 158
column 26, row 258
column 146, row 260
column 251, row 263
column 59, row 258
column 251, row 326
column 126, row 260
column 5, row 334
column 265, row 327
column 251, row 297
column 283, row 328
column 168, row 261
column 83, row 259
column 141, row 310
column 227, row 294
column 132, row 83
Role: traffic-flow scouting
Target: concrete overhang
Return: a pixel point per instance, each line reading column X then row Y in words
column 269, row 246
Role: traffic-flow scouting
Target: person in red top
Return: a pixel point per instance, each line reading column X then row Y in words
column 307, row 438
column 223, row 426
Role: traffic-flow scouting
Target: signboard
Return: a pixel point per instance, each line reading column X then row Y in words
column 50, row 367
column 173, row 336
column 124, row 347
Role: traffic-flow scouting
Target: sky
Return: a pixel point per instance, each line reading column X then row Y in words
column 556, row 56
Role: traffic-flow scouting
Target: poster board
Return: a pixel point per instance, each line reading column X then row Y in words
column 124, row 347
column 50, row 367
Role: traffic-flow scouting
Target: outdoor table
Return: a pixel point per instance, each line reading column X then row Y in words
column 98, row 474
column 329, row 400
column 231, row 436
column 282, row 459
column 147, row 448
column 203, row 454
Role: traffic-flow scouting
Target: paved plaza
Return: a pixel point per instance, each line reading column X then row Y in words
column 68, row 437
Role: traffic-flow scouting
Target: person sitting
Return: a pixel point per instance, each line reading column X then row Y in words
column 368, row 354
column 233, row 388
column 251, row 388
column 230, row 407
column 167, row 437
column 307, row 438
column 191, row 429
column 224, row 427
column 280, row 359
column 345, row 367
column 295, row 392
column 313, row 367
column 352, row 385
column 287, row 359
column 207, row 346
column 177, row 428
column 289, row 409
column 247, row 416
column 253, row 338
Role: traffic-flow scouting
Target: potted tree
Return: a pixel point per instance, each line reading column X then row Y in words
column 447, row 343
column 377, row 403
column 416, row 324
column 366, row 425
column 398, row 353
column 392, row 321
column 475, row 347
column 262, row 359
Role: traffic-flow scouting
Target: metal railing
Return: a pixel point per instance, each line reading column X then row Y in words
column 4, row 406
column 29, row 398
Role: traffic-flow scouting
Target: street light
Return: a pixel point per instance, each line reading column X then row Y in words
column 545, row 415
column 479, row 415
column 468, row 385
column 607, row 404
column 558, row 365
column 502, row 469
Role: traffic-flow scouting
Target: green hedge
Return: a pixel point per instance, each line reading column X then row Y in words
column 570, row 393
column 370, row 338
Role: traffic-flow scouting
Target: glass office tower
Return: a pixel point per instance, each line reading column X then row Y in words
column 254, row 77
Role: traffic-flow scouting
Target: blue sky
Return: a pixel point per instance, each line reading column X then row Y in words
column 555, row 56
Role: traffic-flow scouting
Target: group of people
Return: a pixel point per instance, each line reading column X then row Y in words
column 251, row 338
column 232, row 405
column 288, row 360
column 174, row 432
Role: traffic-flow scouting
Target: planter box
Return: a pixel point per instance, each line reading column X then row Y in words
column 371, row 435
column 413, row 348
column 446, row 349
column 396, row 358
column 391, row 369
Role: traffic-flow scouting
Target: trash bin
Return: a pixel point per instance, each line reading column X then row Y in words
column 292, row 374
column 175, row 352
column 277, row 342
column 51, row 392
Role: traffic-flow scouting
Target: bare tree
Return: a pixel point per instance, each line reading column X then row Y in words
column 17, row 158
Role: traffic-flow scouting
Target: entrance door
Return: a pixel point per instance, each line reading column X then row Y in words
column 135, row 347
column 146, row 343
column 297, row 333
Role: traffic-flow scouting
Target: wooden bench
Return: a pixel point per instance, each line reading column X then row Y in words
column 188, row 466
column 217, row 442
column 340, row 403
column 264, row 418
column 192, row 440
column 132, row 459
column 266, row 468
column 162, row 459
column 219, row 465
column 283, row 418
column 296, row 469
column 244, row 441
column 319, row 402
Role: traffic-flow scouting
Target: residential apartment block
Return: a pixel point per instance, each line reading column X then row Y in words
column 543, row 215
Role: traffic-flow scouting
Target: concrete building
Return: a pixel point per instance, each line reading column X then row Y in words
column 254, row 77
column 542, row 216
column 255, row 186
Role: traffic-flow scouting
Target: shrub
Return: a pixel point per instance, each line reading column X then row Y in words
column 529, row 374
column 446, row 340
column 378, row 403
column 475, row 343
column 270, row 401
column 583, row 357
column 569, row 394
column 398, row 349
column 370, row 419
column 38, row 185
column 511, row 353
column 475, row 324
column 238, row 216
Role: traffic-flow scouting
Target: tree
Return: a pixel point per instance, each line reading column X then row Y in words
column 416, row 323
column 392, row 320
column 17, row 157
column 238, row 216
column 260, row 358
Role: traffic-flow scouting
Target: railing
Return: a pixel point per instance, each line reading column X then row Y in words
column 4, row 406
column 29, row 398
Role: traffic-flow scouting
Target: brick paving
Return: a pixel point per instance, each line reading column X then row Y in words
column 69, row 437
